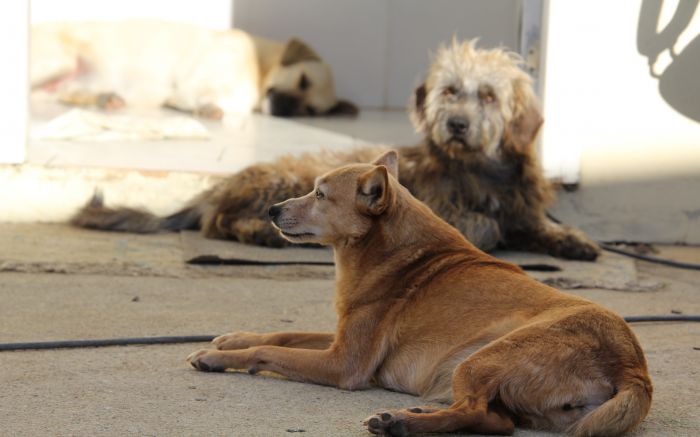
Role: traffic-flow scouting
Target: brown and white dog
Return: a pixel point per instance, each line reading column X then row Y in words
column 201, row 71
column 422, row 311
column 477, row 167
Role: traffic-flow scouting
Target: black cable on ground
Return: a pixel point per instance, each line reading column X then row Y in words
column 653, row 259
column 67, row 344
column 681, row 318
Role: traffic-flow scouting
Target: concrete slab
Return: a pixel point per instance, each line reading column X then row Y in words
column 59, row 248
column 151, row 390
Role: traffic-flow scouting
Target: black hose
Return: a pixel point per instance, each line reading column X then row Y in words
column 681, row 318
column 653, row 259
column 66, row 344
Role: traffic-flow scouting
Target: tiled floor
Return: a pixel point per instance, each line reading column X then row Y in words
column 235, row 143
column 162, row 175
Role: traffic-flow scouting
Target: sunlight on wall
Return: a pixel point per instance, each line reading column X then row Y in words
column 601, row 103
column 14, row 16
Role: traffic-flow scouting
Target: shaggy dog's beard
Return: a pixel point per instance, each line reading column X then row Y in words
column 484, row 140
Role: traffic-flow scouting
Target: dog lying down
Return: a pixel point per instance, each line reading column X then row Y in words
column 476, row 167
column 208, row 73
column 422, row 311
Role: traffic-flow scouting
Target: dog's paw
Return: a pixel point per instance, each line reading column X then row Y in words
column 388, row 423
column 205, row 360
column 421, row 410
column 258, row 232
column 237, row 340
column 209, row 111
column 574, row 246
column 110, row 101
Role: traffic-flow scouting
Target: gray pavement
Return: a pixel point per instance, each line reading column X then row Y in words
column 62, row 283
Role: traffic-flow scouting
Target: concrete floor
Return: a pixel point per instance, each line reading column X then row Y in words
column 62, row 283
column 234, row 142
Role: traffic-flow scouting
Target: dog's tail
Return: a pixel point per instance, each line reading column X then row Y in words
column 619, row 414
column 94, row 215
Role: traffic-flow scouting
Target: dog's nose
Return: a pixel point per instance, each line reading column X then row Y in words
column 457, row 125
column 282, row 104
column 274, row 211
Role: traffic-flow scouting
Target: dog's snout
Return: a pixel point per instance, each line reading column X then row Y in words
column 282, row 104
column 457, row 125
column 274, row 211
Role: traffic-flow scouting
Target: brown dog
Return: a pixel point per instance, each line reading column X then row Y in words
column 477, row 168
column 422, row 311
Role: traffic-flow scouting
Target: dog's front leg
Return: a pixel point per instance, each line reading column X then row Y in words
column 300, row 340
column 562, row 241
column 325, row 367
column 357, row 349
column 207, row 110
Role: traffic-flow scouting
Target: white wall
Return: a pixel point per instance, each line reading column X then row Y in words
column 640, row 158
column 601, row 103
column 14, row 80
column 379, row 49
column 209, row 13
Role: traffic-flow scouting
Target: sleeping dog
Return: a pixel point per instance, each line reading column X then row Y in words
column 205, row 72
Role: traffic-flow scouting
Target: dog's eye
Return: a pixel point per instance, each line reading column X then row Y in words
column 449, row 91
column 488, row 98
column 319, row 194
column 304, row 82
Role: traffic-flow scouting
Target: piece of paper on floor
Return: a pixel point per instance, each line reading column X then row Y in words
column 81, row 125
column 610, row 271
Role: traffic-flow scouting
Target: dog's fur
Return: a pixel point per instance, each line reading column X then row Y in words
column 422, row 311
column 205, row 72
column 477, row 167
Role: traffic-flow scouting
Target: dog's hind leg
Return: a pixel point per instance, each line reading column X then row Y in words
column 472, row 411
column 550, row 379
column 474, row 416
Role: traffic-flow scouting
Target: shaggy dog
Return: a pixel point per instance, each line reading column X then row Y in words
column 477, row 167
column 422, row 311
column 205, row 72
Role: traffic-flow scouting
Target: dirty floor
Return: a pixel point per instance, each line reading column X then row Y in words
column 61, row 283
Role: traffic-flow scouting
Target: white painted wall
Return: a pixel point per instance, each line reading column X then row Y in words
column 215, row 14
column 639, row 157
column 602, row 105
column 14, row 80
column 379, row 49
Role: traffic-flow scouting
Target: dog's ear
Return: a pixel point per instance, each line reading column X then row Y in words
column 527, row 120
column 343, row 107
column 390, row 160
column 416, row 108
column 373, row 191
column 296, row 50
